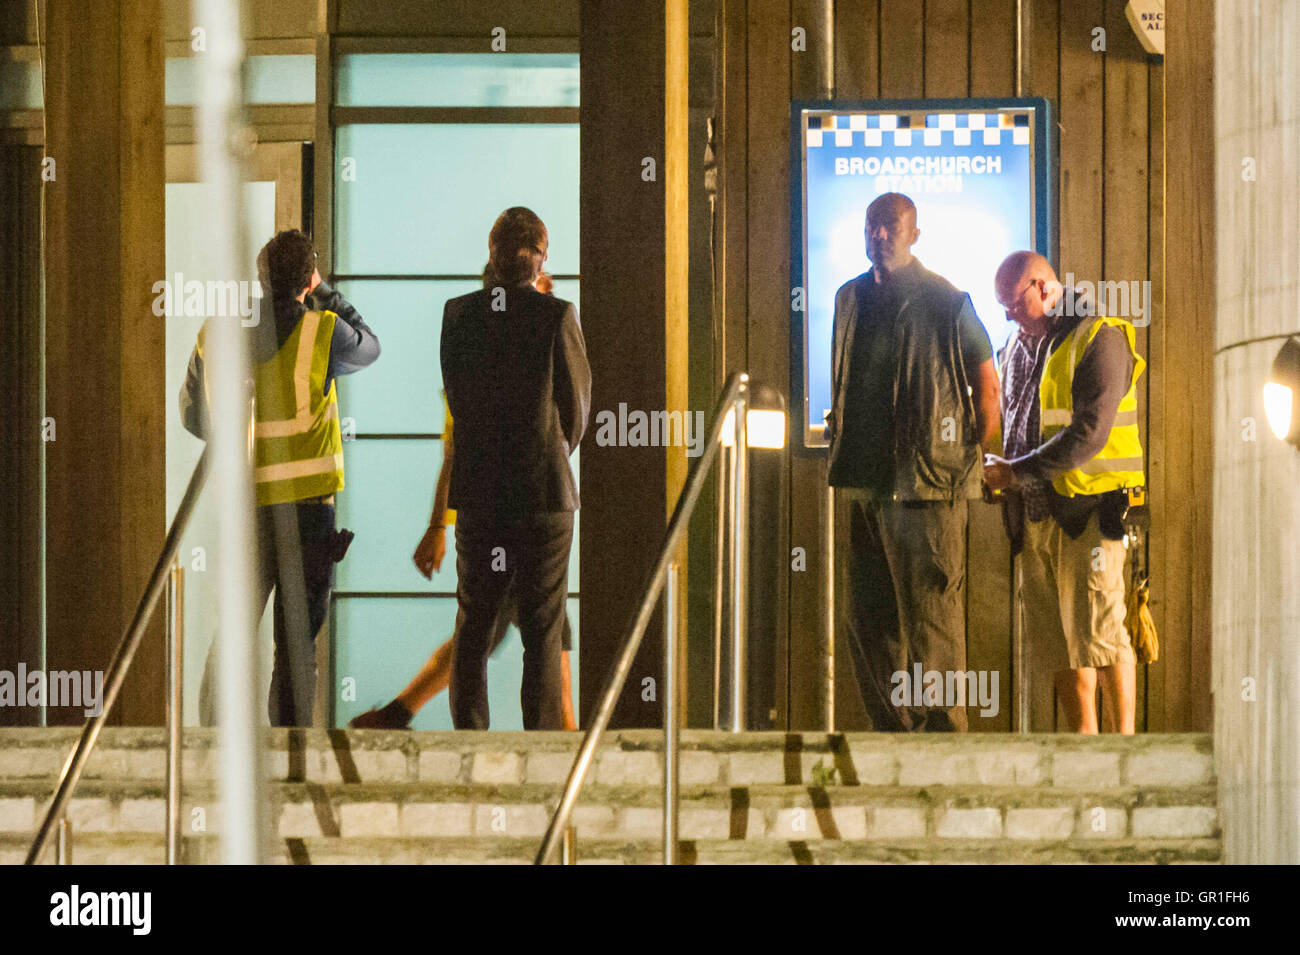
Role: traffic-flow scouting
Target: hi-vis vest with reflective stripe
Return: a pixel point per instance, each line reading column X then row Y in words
column 298, row 444
column 1119, row 464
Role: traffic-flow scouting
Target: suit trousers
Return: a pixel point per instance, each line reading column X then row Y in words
column 528, row 556
column 906, row 606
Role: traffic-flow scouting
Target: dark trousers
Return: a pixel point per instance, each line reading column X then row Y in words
column 529, row 557
column 294, row 561
column 294, row 545
column 907, row 605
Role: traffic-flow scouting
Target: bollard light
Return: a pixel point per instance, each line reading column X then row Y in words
column 1281, row 391
column 766, row 428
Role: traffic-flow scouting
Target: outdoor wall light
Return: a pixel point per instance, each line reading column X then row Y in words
column 766, row 428
column 1281, row 391
column 764, row 419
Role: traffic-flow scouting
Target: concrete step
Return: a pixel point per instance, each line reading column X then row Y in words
column 376, row 796
column 634, row 757
column 139, row 849
column 754, row 812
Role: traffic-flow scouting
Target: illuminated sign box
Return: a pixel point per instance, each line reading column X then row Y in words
column 978, row 172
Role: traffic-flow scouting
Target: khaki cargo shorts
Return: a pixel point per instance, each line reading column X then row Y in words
column 1072, row 598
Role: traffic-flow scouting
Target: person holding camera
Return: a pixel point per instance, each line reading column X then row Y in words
column 298, row 466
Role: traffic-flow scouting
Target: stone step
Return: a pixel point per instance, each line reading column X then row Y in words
column 753, row 812
column 634, row 758
column 119, row 849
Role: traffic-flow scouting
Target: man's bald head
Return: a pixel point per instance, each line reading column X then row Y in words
column 1027, row 287
column 892, row 204
column 891, row 232
column 1019, row 267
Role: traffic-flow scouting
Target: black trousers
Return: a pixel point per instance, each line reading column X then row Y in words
column 529, row 557
column 906, row 606
column 294, row 545
column 294, row 561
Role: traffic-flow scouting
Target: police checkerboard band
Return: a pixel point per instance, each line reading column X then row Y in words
column 903, row 129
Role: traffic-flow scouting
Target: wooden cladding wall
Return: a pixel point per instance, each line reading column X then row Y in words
column 1109, row 108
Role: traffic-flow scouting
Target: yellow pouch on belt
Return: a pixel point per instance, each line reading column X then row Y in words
column 1141, row 627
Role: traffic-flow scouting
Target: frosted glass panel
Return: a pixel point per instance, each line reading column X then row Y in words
column 20, row 83
column 458, row 79
column 425, row 196
column 269, row 79
column 382, row 643
column 401, row 392
column 386, row 501
column 188, row 253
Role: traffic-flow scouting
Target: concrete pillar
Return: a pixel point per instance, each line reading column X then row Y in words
column 104, row 356
column 1256, row 506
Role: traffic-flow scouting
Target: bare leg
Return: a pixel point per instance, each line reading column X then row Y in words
column 566, row 689
column 1077, row 691
column 1118, row 697
column 430, row 681
column 436, row 674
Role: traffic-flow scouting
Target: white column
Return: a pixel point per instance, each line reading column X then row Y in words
column 1256, row 477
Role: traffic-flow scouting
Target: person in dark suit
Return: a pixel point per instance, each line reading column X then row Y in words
column 514, row 367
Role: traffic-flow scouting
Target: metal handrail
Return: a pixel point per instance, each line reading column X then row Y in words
column 121, row 663
column 735, row 396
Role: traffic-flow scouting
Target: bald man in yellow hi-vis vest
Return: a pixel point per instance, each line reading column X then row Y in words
column 297, row 353
column 1071, row 454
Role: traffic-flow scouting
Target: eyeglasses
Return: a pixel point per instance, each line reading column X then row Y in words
column 1020, row 298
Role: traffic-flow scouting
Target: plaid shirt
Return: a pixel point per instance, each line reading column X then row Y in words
column 1022, row 364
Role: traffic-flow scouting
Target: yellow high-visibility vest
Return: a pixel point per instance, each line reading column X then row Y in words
column 1119, row 464
column 298, row 445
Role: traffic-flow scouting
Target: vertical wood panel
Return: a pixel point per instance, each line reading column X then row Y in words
column 857, row 75
column 1044, row 80
column 1187, row 481
column 1151, row 700
column 993, row 48
column 902, row 49
column 1081, row 131
column 768, row 329
column 20, row 426
column 947, row 48
column 732, row 227
column 989, row 602
column 801, row 684
column 857, row 50
column 1127, row 189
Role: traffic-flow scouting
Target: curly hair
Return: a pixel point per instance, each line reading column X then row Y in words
column 286, row 264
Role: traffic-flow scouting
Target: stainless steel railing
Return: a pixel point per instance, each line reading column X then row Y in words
column 117, row 670
column 736, row 399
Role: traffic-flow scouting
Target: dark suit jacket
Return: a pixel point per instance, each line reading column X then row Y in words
column 519, row 389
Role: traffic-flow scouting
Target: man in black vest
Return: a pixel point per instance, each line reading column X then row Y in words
column 914, row 393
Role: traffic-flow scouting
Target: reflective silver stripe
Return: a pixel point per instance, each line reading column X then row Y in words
column 1055, row 416
column 1107, row 465
column 299, row 425
column 301, row 422
column 1125, row 418
column 296, row 469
